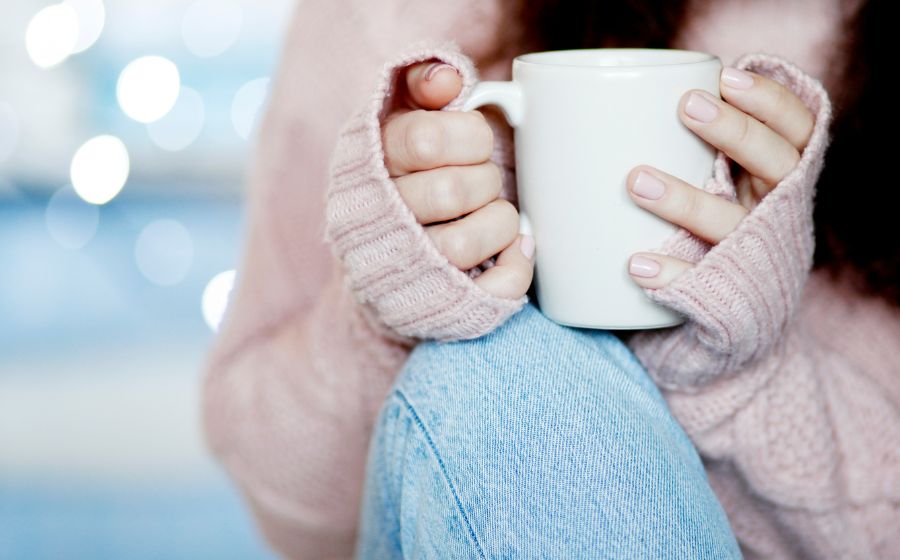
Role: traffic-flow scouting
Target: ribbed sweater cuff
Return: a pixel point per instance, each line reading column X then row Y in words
column 743, row 292
column 407, row 289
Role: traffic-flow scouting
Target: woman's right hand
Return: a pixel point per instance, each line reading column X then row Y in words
column 440, row 163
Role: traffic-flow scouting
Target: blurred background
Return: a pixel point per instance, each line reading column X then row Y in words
column 125, row 129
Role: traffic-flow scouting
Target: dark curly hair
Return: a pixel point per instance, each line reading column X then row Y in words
column 856, row 202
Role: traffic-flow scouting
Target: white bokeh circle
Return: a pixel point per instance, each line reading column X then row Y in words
column 216, row 296
column 51, row 35
column 148, row 88
column 100, row 169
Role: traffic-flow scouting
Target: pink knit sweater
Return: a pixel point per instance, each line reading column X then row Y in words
column 786, row 382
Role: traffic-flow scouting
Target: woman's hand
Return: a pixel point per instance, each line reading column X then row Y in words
column 440, row 163
column 761, row 125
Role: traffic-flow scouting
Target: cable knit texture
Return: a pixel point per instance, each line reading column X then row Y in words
column 786, row 381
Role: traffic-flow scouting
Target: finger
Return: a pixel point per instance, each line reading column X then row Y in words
column 770, row 103
column 511, row 276
column 651, row 270
column 419, row 140
column 448, row 192
column 706, row 215
column 757, row 148
column 431, row 85
column 482, row 234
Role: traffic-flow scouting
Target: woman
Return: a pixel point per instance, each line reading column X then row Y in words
column 794, row 425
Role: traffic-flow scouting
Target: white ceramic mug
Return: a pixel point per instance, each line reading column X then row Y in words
column 582, row 120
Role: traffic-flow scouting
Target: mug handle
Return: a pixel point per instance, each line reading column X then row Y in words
column 508, row 97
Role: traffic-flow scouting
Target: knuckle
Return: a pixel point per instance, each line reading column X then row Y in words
column 445, row 194
column 494, row 177
column 688, row 208
column 742, row 132
column 424, row 139
column 779, row 105
column 782, row 101
column 493, row 171
column 458, row 245
column 508, row 216
column 483, row 136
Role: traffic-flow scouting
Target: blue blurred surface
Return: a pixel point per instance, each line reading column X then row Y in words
column 97, row 293
column 103, row 454
column 89, row 317
column 49, row 521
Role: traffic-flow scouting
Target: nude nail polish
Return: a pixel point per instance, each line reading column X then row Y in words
column 648, row 186
column 700, row 108
column 643, row 267
column 738, row 79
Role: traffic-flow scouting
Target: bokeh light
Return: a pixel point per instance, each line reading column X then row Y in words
column 182, row 125
column 216, row 297
column 9, row 131
column 113, row 247
column 100, row 169
column 247, row 105
column 210, row 27
column 51, row 35
column 91, row 16
column 148, row 88
column 71, row 221
column 164, row 252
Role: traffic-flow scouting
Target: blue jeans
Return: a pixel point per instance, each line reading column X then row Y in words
column 534, row 441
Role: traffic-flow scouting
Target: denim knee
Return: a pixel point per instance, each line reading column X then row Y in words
column 549, row 441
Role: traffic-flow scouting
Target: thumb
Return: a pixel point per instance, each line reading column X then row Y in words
column 431, row 85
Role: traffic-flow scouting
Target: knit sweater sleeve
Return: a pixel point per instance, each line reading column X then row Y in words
column 742, row 294
column 800, row 448
column 405, row 287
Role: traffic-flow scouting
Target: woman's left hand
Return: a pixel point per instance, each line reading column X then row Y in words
column 761, row 125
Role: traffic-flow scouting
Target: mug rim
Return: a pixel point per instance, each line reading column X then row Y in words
column 525, row 58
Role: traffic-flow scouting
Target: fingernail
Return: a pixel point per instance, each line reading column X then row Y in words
column 643, row 267
column 700, row 108
column 434, row 68
column 648, row 186
column 526, row 245
column 737, row 78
